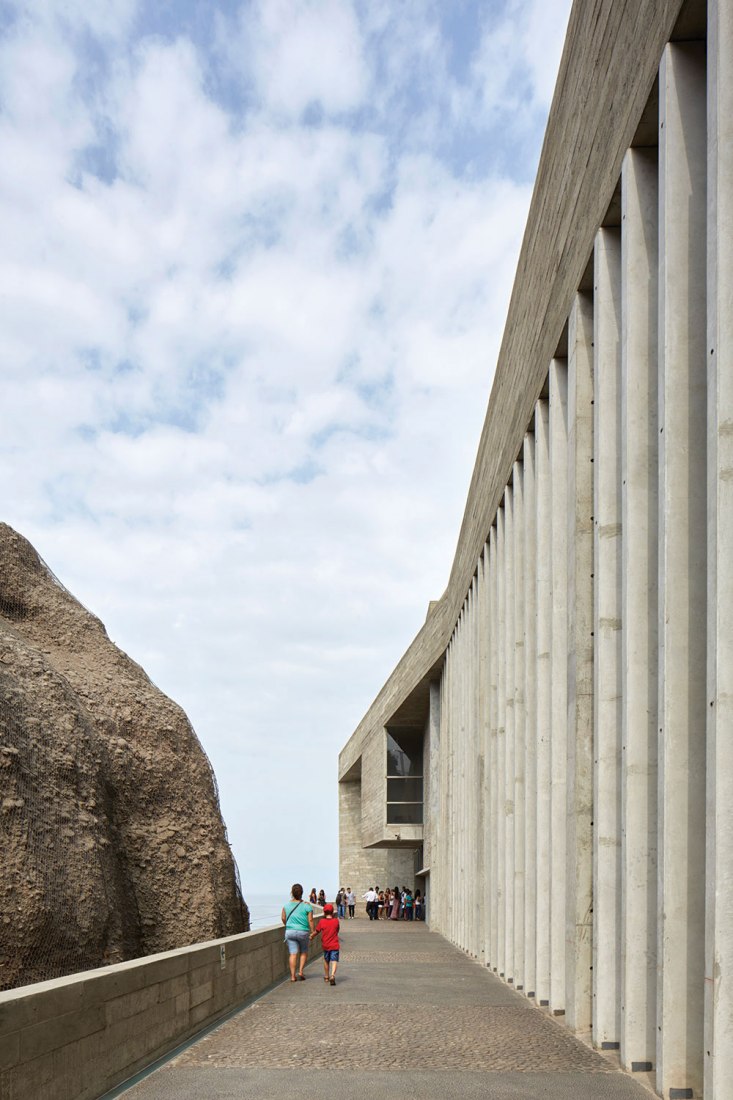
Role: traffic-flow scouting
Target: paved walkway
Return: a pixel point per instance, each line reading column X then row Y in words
column 410, row 1015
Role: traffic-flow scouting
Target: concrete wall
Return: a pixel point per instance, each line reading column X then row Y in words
column 579, row 813
column 75, row 1038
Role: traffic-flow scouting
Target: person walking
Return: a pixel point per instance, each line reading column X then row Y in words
column 370, row 897
column 297, row 916
column 340, row 903
column 350, row 901
column 328, row 929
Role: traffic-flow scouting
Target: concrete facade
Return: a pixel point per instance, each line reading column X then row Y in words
column 574, row 682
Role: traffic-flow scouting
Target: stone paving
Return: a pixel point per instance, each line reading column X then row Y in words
column 406, row 1003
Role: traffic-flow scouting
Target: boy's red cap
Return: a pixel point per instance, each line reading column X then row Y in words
column 328, row 908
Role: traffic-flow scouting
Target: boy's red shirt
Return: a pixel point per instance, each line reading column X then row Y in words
column 329, row 929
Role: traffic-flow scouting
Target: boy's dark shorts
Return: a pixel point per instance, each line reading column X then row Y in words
column 331, row 956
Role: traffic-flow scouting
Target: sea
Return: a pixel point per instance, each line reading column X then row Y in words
column 265, row 909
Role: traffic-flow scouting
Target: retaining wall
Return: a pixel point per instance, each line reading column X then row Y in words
column 74, row 1038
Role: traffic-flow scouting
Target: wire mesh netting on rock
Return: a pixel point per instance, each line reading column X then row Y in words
column 112, row 838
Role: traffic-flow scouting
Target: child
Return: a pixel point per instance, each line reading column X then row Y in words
column 328, row 926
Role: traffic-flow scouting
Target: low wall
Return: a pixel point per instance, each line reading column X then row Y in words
column 75, row 1038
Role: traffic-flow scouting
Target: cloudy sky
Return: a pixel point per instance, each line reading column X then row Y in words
column 256, row 259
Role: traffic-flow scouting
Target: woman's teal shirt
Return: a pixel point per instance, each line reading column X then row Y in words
column 297, row 915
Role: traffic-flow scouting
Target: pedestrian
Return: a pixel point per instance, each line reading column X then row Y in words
column 350, row 901
column 395, row 904
column 409, row 902
column 321, row 898
column 328, row 929
column 370, row 897
column 313, row 899
column 380, row 904
column 418, row 905
column 340, row 903
column 297, row 916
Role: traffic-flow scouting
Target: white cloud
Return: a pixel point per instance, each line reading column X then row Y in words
column 301, row 54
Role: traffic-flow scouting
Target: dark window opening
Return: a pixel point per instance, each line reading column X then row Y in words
column 404, row 778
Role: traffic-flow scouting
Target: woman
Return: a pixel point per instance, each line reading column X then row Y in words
column 313, row 899
column 321, row 898
column 418, row 905
column 297, row 916
column 395, row 904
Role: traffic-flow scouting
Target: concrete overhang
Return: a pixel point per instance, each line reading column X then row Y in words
column 409, row 709
column 399, row 836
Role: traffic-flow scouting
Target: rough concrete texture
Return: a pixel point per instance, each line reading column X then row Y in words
column 112, row 839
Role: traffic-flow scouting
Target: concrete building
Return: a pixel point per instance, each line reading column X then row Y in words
column 553, row 755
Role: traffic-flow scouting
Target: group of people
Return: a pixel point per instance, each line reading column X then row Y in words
column 300, row 928
column 397, row 904
column 345, row 899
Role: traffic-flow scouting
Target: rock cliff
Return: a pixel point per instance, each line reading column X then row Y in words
column 112, row 840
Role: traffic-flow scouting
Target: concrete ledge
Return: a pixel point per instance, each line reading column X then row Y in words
column 77, row 1037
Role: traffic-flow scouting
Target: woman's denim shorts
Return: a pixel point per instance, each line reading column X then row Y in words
column 297, row 940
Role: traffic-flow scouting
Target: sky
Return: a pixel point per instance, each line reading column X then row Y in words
column 255, row 266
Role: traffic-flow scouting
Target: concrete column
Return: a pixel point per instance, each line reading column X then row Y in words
column 558, row 676
column 459, row 805
column 718, row 1044
column 485, row 734
column 461, row 802
column 477, row 777
column 530, row 717
column 433, row 794
column 501, row 746
column 682, row 565
column 543, row 493
column 437, row 884
column 509, row 642
column 493, row 769
column 469, row 766
column 639, row 443
column 607, row 636
column 479, row 708
column 519, row 724
column 446, row 781
column 453, row 780
column 579, row 881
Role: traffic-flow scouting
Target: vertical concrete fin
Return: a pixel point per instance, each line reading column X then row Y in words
column 718, row 1038
column 607, row 635
column 682, row 564
column 558, row 675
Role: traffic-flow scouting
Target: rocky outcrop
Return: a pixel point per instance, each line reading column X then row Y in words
column 112, row 840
